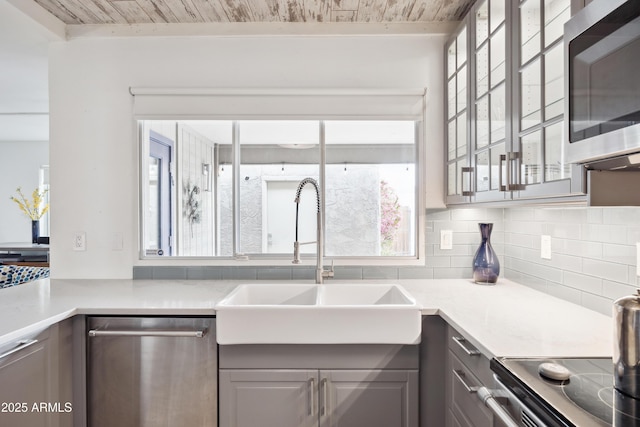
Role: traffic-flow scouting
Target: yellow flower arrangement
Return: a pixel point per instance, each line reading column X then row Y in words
column 32, row 208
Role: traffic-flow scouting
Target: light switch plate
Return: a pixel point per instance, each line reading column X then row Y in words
column 545, row 246
column 446, row 239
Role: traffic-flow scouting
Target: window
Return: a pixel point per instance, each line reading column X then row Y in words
column 230, row 187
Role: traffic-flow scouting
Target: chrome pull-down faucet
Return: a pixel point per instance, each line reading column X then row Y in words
column 321, row 273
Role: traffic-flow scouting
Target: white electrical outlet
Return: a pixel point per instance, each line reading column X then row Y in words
column 80, row 241
column 545, row 247
column 446, row 239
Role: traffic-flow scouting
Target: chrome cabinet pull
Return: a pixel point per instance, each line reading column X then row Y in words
column 460, row 375
column 325, row 397
column 312, row 396
column 149, row 333
column 503, row 159
column 486, row 396
column 470, row 351
column 22, row 344
column 468, row 170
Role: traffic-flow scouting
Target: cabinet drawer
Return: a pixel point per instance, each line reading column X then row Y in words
column 465, row 404
column 470, row 356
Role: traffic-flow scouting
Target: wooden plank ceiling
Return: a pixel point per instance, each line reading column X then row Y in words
column 199, row 11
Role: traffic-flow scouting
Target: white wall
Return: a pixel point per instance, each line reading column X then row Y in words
column 19, row 167
column 93, row 143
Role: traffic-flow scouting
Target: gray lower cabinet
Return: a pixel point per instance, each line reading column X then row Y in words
column 330, row 386
column 36, row 379
column 467, row 369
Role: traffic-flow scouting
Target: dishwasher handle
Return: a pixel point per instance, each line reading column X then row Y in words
column 489, row 400
column 146, row 333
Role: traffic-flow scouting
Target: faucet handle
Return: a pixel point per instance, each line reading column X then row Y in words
column 330, row 272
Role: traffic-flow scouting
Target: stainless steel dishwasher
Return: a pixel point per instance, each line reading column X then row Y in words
column 151, row 371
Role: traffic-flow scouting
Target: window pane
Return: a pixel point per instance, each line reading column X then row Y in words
column 461, row 51
column 556, row 13
column 186, row 207
column 462, row 134
column 451, row 140
column 482, row 23
column 274, row 157
column 498, row 49
column 482, row 171
column 554, row 82
column 495, row 165
column 498, row 114
column 531, row 172
column 462, row 89
column 497, row 14
column 451, row 59
column 530, row 29
column 555, row 167
column 482, row 122
column 370, row 188
column 530, row 90
column 482, row 70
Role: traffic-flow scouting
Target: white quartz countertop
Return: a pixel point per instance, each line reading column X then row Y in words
column 506, row 319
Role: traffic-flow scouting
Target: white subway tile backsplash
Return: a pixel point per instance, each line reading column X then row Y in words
column 606, row 270
column 615, row 290
column 582, row 282
column 621, row 254
column 597, row 303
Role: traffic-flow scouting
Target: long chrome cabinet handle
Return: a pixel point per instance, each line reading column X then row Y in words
column 312, row 396
column 470, row 351
column 149, row 333
column 21, row 346
column 485, row 395
column 468, row 170
column 325, row 397
column 460, row 376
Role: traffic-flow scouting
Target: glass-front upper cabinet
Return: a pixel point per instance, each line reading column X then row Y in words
column 538, row 136
column 490, row 99
column 457, row 117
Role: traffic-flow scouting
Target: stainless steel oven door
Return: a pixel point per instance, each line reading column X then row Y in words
column 517, row 411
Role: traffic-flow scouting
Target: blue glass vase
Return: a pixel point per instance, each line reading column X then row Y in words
column 486, row 267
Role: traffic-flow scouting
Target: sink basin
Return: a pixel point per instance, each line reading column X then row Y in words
column 364, row 295
column 318, row 314
column 272, row 295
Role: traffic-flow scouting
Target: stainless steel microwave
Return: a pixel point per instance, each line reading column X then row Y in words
column 602, row 88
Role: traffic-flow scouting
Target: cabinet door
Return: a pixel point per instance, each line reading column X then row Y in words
column 268, row 398
column 368, row 398
column 25, row 376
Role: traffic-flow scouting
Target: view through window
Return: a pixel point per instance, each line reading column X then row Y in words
column 367, row 171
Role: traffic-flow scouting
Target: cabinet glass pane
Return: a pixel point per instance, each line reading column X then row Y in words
column 497, row 14
column 495, row 166
column 554, row 82
column 482, row 171
column 530, row 148
column 461, row 49
column 482, row 23
column 556, row 13
column 498, row 114
column 530, row 92
column 451, row 140
column 451, row 180
column 451, row 59
column 529, row 29
column 451, row 97
column 482, row 122
column 482, row 70
column 461, row 135
column 462, row 88
column 555, row 167
column 498, row 50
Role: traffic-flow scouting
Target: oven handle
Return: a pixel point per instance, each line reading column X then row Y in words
column 486, row 396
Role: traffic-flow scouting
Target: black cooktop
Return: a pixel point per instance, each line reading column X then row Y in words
column 586, row 399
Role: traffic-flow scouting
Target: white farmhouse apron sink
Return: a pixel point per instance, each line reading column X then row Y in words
column 318, row 314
